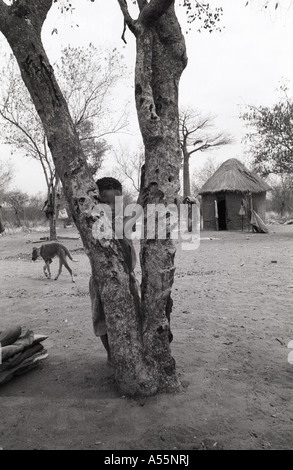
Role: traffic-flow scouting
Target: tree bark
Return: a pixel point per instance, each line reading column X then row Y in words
column 186, row 174
column 52, row 227
column 52, row 213
column 53, row 218
column 161, row 58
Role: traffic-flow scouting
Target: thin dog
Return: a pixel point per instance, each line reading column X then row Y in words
column 48, row 252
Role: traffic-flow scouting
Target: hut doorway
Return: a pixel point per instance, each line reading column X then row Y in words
column 222, row 212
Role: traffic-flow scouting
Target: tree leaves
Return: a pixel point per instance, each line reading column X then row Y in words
column 87, row 77
column 267, row 3
column 271, row 135
column 209, row 18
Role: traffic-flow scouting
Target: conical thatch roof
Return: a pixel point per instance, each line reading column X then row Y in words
column 234, row 177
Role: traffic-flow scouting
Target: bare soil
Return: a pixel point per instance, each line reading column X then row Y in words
column 232, row 321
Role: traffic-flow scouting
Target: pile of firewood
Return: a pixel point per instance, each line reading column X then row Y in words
column 19, row 352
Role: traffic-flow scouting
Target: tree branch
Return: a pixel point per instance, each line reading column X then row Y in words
column 207, row 145
column 154, row 10
column 114, row 131
column 29, row 10
column 202, row 125
column 141, row 4
column 49, row 162
column 39, row 9
column 22, row 129
column 4, row 16
column 43, row 166
column 129, row 21
column 42, row 8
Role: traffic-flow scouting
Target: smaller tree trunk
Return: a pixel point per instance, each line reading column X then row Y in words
column 282, row 208
column 18, row 221
column 186, row 175
column 52, row 214
column 52, row 225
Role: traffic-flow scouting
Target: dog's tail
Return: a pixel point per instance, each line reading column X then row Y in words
column 69, row 255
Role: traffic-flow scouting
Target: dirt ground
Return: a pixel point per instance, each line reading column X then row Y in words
column 232, row 321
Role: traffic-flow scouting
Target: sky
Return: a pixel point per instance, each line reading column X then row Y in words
column 241, row 65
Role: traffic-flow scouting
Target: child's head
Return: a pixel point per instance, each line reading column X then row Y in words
column 109, row 188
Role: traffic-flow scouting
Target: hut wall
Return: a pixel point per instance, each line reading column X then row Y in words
column 208, row 212
column 233, row 204
column 234, row 219
column 259, row 204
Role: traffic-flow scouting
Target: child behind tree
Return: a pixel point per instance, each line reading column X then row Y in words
column 109, row 188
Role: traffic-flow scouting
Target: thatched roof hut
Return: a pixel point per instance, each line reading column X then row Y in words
column 229, row 196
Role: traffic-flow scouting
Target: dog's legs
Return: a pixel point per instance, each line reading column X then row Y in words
column 44, row 269
column 60, row 269
column 68, row 269
column 48, row 268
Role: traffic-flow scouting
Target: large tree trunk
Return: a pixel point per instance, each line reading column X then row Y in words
column 138, row 333
column 161, row 58
column 186, row 174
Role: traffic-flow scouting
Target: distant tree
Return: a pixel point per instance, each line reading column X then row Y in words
column 197, row 134
column 88, row 77
column 94, row 149
column 86, row 88
column 33, row 209
column 23, row 131
column 282, row 193
column 270, row 139
column 6, row 176
column 17, row 201
column 129, row 166
column 36, row 202
column 200, row 177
